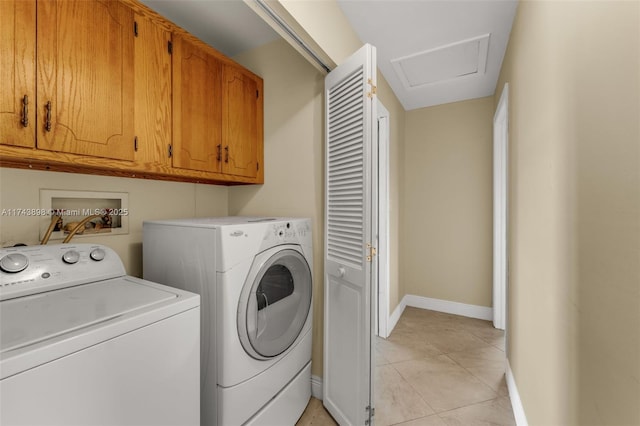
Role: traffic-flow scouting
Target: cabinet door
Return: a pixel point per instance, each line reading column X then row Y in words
column 152, row 92
column 196, row 107
column 85, row 77
column 241, row 98
column 17, row 72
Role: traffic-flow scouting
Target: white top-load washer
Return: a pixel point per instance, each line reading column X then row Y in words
column 255, row 279
column 82, row 343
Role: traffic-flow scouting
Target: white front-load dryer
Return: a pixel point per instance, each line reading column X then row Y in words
column 259, row 312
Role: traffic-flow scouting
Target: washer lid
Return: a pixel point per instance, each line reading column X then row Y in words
column 32, row 319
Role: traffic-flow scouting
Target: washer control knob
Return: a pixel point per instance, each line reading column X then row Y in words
column 14, row 262
column 97, row 254
column 71, row 257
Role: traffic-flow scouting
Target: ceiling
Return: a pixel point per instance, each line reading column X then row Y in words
column 430, row 51
column 435, row 52
column 230, row 26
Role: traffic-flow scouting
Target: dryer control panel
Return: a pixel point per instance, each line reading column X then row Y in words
column 293, row 231
column 284, row 231
column 35, row 269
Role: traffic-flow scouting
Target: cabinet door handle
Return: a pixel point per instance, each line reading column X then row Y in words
column 25, row 111
column 47, row 124
column 219, row 156
column 226, row 154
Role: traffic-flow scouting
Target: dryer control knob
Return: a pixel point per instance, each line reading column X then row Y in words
column 14, row 262
column 97, row 254
column 71, row 257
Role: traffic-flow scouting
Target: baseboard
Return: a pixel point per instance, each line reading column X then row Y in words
column 516, row 403
column 395, row 316
column 471, row 311
column 316, row 387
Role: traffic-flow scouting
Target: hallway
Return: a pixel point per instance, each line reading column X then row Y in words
column 436, row 370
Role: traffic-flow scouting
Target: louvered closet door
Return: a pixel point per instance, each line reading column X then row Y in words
column 350, row 112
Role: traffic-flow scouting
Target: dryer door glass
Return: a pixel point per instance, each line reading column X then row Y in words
column 277, row 305
column 275, row 285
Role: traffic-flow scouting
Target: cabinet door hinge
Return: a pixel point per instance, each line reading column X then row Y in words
column 135, row 143
column 257, row 94
column 170, row 151
column 135, row 28
column 370, row 413
column 170, row 47
column 258, row 166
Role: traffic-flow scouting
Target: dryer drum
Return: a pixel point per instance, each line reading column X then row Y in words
column 276, row 284
column 274, row 304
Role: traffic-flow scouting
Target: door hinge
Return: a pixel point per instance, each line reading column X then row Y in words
column 374, row 89
column 257, row 94
column 371, row 412
column 257, row 166
column 135, row 28
column 372, row 252
column 170, row 47
column 135, row 143
column 170, row 150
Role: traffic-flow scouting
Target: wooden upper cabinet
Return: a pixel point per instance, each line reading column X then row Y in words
column 241, row 122
column 17, row 72
column 152, row 93
column 197, row 111
column 109, row 86
column 86, row 78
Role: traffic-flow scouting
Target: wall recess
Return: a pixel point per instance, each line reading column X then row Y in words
column 110, row 211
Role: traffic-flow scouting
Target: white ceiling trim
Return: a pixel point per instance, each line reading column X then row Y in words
column 289, row 29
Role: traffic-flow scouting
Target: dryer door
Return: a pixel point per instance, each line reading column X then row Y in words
column 275, row 302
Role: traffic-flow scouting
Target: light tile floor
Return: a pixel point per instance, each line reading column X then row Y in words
column 436, row 370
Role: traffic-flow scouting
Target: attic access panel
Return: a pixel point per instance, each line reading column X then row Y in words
column 455, row 60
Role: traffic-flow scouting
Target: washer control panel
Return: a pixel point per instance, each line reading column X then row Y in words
column 34, row 269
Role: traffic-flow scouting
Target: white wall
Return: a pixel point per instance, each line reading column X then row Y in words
column 574, row 286
column 447, row 212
